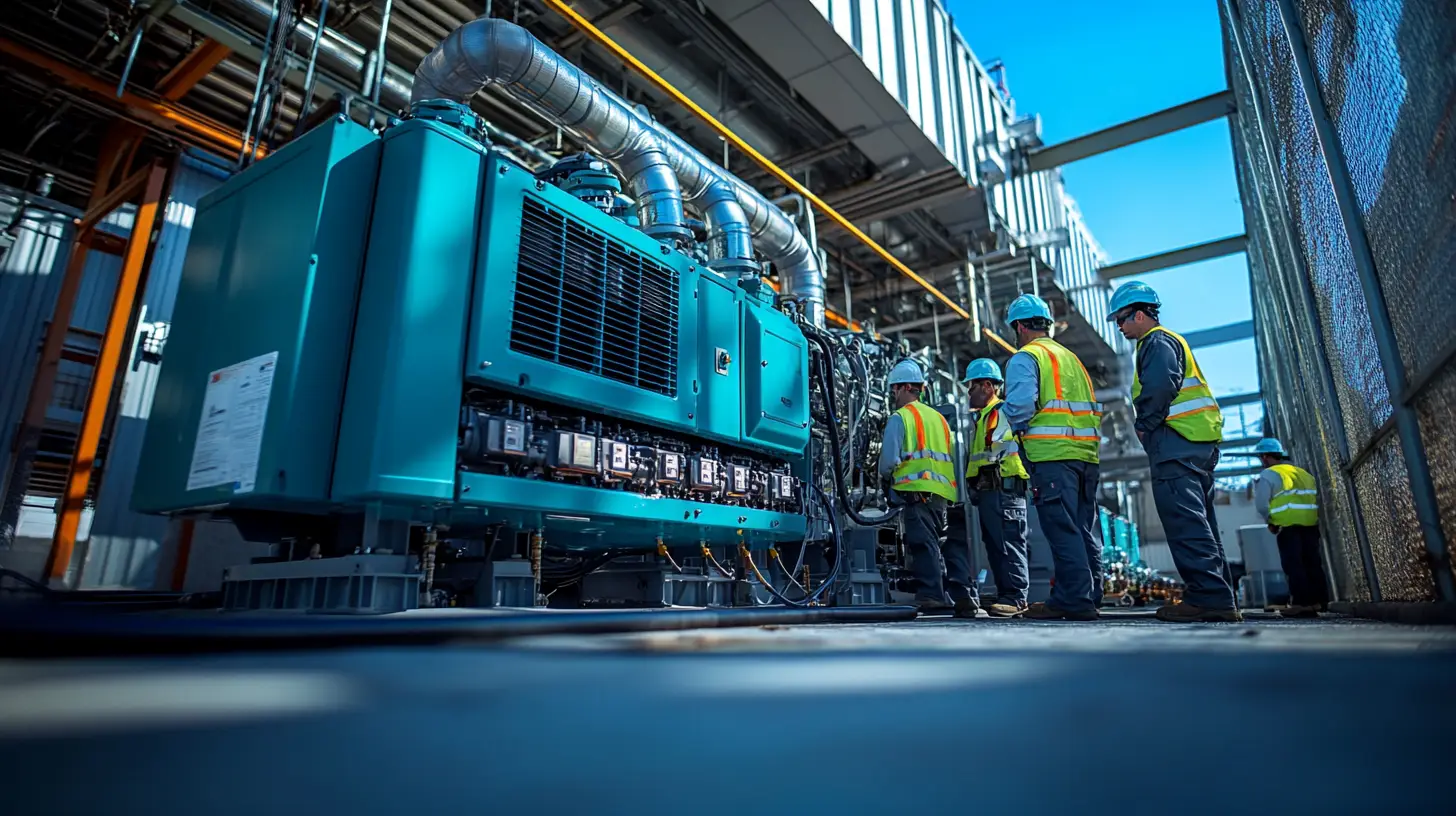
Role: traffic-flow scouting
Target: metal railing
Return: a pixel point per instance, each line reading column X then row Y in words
column 1346, row 166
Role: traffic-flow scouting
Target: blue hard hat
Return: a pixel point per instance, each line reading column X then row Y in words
column 1026, row 307
column 983, row 369
column 906, row 371
column 1128, row 294
column 1270, row 445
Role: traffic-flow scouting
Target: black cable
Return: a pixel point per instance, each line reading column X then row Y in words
column 51, row 632
column 826, row 383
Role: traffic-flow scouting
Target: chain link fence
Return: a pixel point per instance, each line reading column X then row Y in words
column 1345, row 148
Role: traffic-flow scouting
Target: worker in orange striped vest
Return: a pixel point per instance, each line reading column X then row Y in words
column 1055, row 415
column 916, row 460
column 1180, row 426
column 1287, row 497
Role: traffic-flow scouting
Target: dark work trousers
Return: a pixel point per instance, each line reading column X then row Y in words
column 1003, row 532
column 1299, row 555
column 958, row 581
column 1065, row 496
column 925, row 529
column 1183, row 494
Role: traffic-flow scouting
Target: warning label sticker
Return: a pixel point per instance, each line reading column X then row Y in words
column 230, row 433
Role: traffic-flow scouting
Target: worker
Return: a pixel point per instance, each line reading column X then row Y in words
column 1288, row 500
column 996, row 483
column 1179, row 425
column 1052, row 410
column 916, row 460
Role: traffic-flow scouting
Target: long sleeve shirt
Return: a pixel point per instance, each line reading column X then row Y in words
column 892, row 446
column 1265, row 489
column 1023, row 386
column 1160, row 367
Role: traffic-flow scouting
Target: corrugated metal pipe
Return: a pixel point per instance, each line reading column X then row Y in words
column 773, row 231
column 489, row 50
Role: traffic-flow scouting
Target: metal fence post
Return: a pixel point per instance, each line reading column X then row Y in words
column 1423, row 491
column 1305, row 289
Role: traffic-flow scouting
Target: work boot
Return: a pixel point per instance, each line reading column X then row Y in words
column 1188, row 613
column 1041, row 611
column 1293, row 611
column 966, row 608
column 930, row 605
column 1005, row 609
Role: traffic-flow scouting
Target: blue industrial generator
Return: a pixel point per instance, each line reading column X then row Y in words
column 401, row 337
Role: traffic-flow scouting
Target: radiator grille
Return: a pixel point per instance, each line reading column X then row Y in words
column 589, row 303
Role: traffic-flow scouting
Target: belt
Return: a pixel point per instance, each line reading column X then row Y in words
column 1006, row 484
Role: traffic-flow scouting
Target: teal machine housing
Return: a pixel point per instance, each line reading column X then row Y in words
column 396, row 280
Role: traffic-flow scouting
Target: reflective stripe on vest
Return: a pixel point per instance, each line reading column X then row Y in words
column 1003, row 447
column 926, row 465
column 1297, row 502
column 1194, row 413
column 1068, row 417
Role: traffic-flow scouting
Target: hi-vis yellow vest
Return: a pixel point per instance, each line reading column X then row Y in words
column 926, row 465
column 1068, row 417
column 993, row 441
column 1297, row 502
column 1194, row 413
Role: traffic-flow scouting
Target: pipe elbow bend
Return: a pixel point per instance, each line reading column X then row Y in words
column 472, row 56
column 730, row 239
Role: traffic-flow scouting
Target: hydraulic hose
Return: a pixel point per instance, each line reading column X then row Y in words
column 50, row 632
column 826, row 383
column 839, row 554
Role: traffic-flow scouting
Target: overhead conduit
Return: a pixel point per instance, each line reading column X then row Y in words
column 662, row 170
column 597, row 35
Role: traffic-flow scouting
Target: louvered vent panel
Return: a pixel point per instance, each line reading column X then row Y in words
column 590, row 303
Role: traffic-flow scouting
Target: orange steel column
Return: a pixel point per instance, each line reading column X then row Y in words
column 108, row 363
column 184, row 554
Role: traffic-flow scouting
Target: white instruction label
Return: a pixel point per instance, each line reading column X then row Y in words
column 230, row 433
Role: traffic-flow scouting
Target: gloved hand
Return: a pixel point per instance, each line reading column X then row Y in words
column 1274, row 528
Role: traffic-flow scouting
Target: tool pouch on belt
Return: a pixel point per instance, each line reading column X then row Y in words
column 989, row 478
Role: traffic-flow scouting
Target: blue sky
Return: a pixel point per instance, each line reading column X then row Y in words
column 1084, row 66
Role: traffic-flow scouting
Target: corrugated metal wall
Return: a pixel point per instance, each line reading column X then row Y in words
column 914, row 49
column 124, row 548
column 30, row 275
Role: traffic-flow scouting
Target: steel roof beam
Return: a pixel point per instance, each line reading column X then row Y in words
column 1231, row 245
column 1220, row 334
column 1141, row 129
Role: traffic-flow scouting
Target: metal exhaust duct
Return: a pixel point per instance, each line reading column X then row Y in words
column 489, row 50
column 655, row 161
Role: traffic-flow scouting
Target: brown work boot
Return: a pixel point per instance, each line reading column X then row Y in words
column 1041, row 611
column 1001, row 609
column 1188, row 613
column 966, row 608
column 1293, row 611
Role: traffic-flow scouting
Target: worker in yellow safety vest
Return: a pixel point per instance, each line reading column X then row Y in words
column 1180, row 427
column 1054, row 413
column 916, row 460
column 996, row 483
column 1288, row 499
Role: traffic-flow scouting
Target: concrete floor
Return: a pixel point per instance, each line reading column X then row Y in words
column 1006, row 717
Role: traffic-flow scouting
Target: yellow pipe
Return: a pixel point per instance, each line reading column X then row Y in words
column 996, row 338
column 585, row 26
